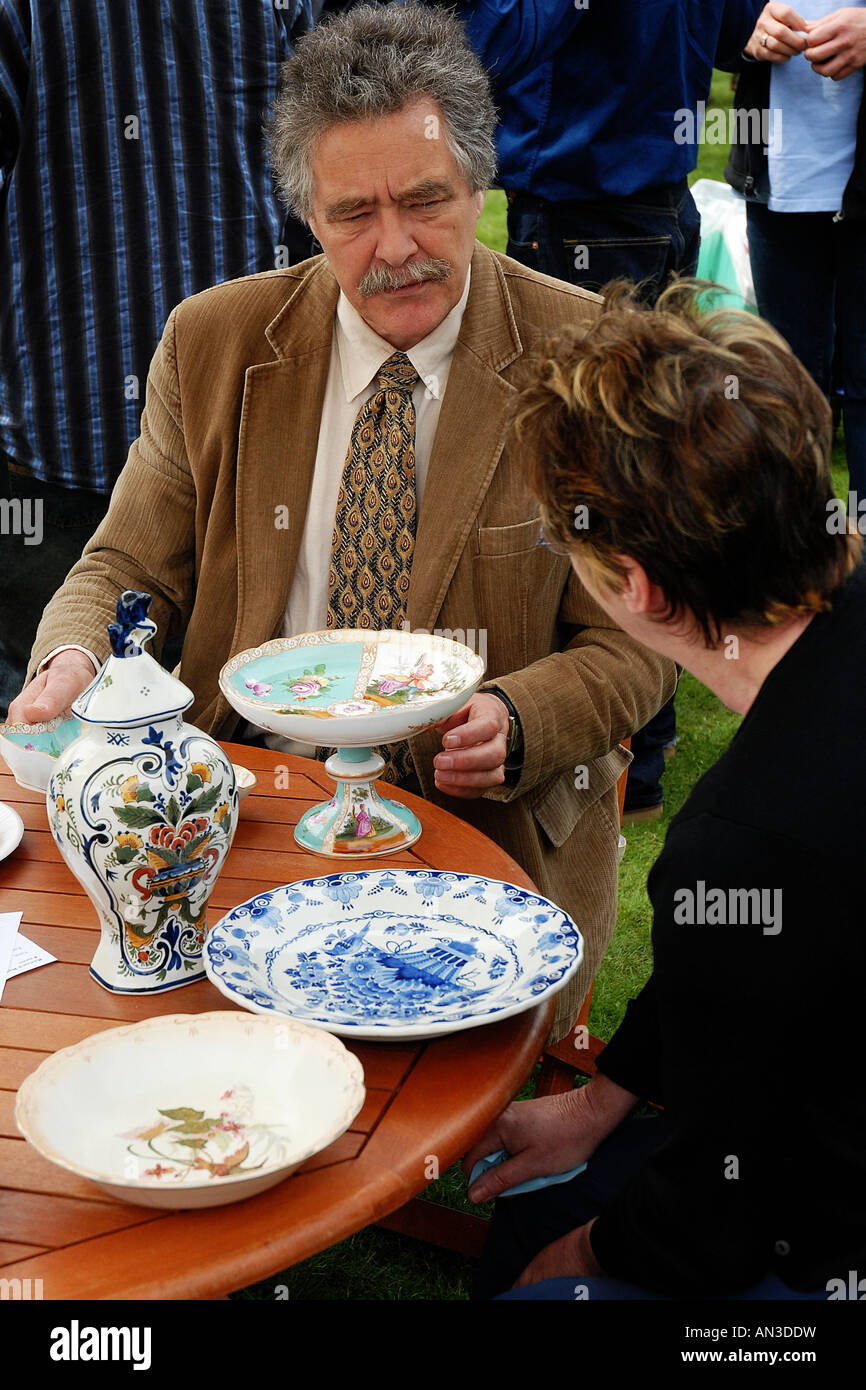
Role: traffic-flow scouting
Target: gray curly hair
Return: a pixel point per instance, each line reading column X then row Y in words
column 372, row 62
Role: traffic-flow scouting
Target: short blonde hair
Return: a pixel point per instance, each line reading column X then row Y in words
column 697, row 444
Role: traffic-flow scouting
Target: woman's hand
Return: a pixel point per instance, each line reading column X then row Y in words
column 548, row 1135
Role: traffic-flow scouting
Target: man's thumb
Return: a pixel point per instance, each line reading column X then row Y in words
column 499, row 1179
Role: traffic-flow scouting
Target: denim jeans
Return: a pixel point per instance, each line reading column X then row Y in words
column 647, row 238
column 810, row 284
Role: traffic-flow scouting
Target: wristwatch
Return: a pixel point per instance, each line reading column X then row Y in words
column 514, row 749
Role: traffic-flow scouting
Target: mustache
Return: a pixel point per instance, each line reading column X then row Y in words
column 378, row 279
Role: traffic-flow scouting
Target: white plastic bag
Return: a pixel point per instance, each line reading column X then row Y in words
column 724, row 254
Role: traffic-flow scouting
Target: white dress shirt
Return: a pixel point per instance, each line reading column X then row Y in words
column 357, row 353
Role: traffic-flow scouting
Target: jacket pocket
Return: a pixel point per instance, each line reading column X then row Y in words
column 509, row 540
column 560, row 803
column 517, row 592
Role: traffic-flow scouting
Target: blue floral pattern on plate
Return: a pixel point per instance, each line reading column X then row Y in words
column 393, row 953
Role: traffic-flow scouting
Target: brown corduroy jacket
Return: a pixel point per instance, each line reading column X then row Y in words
column 225, row 456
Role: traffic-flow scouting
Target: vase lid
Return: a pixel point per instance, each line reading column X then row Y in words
column 132, row 688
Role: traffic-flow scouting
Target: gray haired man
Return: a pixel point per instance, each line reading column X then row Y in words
column 271, row 396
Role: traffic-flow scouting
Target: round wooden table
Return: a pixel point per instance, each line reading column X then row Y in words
column 427, row 1102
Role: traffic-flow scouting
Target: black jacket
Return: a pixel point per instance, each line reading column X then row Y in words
column 746, row 170
column 727, row 1033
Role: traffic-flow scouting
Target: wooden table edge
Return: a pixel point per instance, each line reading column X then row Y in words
column 375, row 1191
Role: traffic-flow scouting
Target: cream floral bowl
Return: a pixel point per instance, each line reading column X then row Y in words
column 191, row 1110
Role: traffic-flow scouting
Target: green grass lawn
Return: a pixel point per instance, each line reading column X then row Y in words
column 378, row 1265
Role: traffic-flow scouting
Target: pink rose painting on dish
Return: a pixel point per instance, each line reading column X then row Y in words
column 308, row 686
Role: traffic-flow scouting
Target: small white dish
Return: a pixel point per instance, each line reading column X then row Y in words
column 191, row 1110
column 11, row 830
column 245, row 779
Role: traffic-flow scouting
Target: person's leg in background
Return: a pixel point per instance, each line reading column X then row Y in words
column 810, row 284
column 35, row 561
column 850, row 246
column 793, row 267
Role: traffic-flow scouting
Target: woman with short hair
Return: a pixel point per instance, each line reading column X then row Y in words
column 682, row 459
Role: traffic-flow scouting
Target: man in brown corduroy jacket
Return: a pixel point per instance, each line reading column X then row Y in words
column 250, row 403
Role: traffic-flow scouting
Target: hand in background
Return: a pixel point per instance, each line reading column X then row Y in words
column 837, row 43
column 775, row 38
column 53, row 690
column 571, row 1255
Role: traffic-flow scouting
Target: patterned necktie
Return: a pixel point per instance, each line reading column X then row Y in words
column 374, row 525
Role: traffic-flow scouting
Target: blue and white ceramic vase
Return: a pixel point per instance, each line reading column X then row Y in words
column 143, row 808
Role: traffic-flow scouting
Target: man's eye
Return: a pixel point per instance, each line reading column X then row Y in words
column 433, row 204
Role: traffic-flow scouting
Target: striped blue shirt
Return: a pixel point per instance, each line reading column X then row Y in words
column 133, row 172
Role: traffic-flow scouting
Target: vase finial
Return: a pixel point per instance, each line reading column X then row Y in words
column 133, row 627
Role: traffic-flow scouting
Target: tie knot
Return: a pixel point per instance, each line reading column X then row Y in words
column 397, row 373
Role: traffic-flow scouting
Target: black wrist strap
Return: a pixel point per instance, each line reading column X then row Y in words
column 514, row 751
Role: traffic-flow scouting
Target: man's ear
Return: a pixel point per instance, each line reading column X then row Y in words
column 639, row 594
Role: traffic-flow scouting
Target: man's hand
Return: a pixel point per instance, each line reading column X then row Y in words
column 775, row 38
column 53, row 690
column 569, row 1256
column 837, row 43
column 548, row 1135
column 475, row 742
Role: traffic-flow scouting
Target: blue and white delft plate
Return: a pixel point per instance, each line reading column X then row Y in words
column 393, row 953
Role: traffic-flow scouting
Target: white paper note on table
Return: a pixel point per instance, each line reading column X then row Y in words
column 26, row 955
column 9, row 922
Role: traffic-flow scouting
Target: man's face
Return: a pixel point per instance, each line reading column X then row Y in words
column 388, row 195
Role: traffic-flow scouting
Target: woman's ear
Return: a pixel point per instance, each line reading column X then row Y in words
column 639, row 594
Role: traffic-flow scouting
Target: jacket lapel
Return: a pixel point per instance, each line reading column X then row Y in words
column 277, row 443
column 469, row 438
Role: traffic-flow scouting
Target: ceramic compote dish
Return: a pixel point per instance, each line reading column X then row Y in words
column 143, row 808
column 353, row 689
column 31, row 750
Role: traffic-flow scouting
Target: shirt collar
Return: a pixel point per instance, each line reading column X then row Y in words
column 362, row 351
